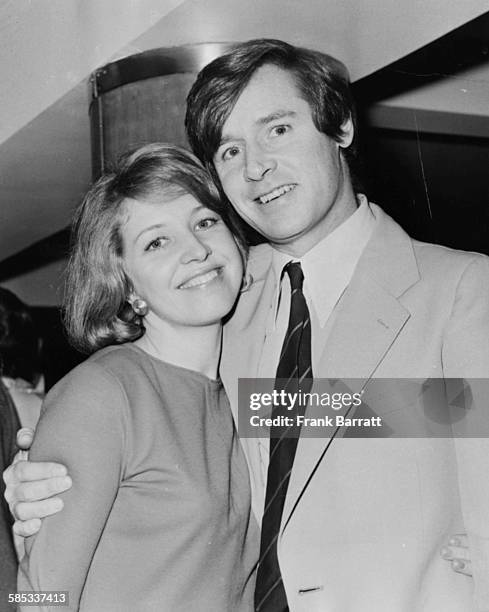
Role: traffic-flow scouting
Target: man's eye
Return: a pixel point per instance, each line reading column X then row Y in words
column 207, row 223
column 157, row 243
column 279, row 130
column 229, row 153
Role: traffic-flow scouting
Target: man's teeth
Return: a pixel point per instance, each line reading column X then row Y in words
column 202, row 279
column 275, row 193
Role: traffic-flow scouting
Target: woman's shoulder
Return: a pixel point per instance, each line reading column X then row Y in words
column 116, row 358
column 109, row 363
column 120, row 372
column 99, row 375
column 126, row 373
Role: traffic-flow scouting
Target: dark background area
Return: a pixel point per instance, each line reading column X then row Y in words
column 435, row 186
column 57, row 356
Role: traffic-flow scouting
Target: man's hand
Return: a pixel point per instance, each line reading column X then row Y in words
column 457, row 551
column 30, row 487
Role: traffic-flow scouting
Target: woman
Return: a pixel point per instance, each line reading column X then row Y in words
column 161, row 503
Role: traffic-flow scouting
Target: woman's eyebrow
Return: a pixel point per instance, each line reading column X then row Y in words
column 148, row 229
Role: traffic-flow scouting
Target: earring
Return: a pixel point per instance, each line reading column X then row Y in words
column 140, row 307
column 246, row 283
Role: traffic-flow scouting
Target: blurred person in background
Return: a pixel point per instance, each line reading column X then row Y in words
column 20, row 367
column 20, row 403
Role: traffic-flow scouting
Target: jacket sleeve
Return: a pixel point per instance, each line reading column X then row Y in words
column 465, row 349
column 466, row 354
column 82, row 426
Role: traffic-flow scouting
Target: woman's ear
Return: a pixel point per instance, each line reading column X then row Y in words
column 131, row 294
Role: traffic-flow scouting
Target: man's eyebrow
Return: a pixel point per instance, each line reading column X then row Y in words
column 276, row 115
column 279, row 114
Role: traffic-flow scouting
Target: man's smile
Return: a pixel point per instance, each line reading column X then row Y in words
column 275, row 193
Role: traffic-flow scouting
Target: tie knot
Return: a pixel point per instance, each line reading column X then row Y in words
column 294, row 270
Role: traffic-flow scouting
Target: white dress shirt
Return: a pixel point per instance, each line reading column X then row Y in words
column 328, row 268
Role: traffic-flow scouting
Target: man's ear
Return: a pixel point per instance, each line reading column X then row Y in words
column 348, row 131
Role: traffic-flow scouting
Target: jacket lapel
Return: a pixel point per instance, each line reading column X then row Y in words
column 365, row 324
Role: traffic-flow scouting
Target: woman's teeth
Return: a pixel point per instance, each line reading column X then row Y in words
column 201, row 279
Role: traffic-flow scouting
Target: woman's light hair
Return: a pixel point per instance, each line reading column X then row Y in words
column 97, row 313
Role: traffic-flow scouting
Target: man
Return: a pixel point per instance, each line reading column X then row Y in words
column 361, row 521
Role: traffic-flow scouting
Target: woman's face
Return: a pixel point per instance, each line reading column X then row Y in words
column 181, row 259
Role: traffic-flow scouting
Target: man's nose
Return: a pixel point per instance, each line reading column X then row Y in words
column 258, row 164
column 195, row 249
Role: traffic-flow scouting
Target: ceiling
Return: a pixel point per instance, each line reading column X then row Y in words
column 50, row 49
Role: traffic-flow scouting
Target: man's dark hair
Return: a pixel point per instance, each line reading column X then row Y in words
column 322, row 81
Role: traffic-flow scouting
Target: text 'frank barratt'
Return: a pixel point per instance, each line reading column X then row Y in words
column 299, row 420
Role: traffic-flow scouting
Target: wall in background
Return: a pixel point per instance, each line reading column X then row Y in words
column 436, row 186
column 41, row 287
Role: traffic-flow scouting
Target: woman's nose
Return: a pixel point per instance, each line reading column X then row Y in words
column 195, row 249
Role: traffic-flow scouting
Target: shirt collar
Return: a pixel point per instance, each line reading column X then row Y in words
column 328, row 267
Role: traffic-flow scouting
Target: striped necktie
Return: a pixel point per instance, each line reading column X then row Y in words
column 294, row 373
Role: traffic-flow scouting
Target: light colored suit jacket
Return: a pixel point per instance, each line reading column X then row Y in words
column 364, row 519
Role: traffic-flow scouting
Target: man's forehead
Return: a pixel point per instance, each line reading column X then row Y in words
column 270, row 94
column 265, row 81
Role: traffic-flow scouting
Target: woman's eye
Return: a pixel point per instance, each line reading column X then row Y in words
column 280, row 130
column 207, row 223
column 157, row 243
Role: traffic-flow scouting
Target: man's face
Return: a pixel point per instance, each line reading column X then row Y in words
column 285, row 178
